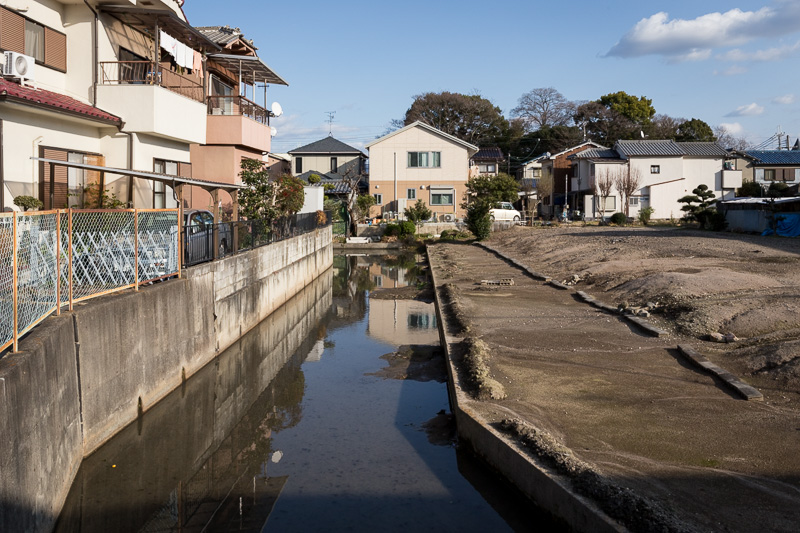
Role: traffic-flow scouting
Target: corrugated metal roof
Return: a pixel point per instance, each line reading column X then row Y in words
column 649, row 148
column 596, row 153
column 775, row 157
column 328, row 145
column 490, row 154
column 703, row 149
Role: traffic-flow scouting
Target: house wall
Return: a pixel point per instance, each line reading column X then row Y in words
column 321, row 163
column 454, row 169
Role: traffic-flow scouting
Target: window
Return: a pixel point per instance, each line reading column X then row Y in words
column 442, row 197
column 411, row 194
column 537, row 172
column 68, row 186
column 487, row 168
column 34, row 40
column 611, row 203
column 769, row 174
column 298, row 165
column 378, row 199
column 424, row 159
column 162, row 166
column 20, row 34
column 334, row 164
column 633, row 201
column 655, row 169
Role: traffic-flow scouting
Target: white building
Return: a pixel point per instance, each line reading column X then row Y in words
column 667, row 170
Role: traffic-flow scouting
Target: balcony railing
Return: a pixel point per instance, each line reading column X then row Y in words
column 148, row 73
column 237, row 105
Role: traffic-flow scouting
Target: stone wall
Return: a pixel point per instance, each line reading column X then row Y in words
column 80, row 378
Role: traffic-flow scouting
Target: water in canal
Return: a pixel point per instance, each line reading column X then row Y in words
column 332, row 415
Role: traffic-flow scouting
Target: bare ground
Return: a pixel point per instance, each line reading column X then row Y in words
column 627, row 404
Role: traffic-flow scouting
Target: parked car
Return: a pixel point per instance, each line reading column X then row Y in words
column 505, row 211
column 199, row 236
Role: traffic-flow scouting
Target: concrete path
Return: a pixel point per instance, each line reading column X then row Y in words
column 627, row 402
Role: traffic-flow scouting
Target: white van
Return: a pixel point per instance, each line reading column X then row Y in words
column 505, row 211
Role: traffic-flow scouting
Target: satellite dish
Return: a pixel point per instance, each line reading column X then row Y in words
column 277, row 110
column 273, row 131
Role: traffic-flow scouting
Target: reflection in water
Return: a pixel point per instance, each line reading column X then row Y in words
column 302, row 426
column 200, row 457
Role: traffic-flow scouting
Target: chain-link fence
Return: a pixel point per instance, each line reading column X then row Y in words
column 55, row 258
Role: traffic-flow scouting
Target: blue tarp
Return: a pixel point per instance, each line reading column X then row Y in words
column 788, row 226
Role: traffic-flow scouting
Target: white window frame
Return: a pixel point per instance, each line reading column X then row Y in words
column 655, row 169
column 378, row 198
column 411, row 194
column 442, row 192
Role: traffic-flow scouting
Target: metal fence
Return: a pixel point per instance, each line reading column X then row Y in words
column 51, row 259
column 206, row 243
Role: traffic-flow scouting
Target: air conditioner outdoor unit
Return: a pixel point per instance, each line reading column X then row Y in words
column 449, row 217
column 19, row 66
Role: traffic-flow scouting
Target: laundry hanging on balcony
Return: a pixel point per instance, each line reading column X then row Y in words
column 183, row 55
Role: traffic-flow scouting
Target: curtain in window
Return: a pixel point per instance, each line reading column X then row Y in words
column 34, row 40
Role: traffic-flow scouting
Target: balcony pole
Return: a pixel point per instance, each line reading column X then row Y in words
column 235, row 218
column 156, row 53
column 215, row 210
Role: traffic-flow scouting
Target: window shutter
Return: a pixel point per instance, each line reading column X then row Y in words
column 55, row 49
column 12, row 31
column 60, row 188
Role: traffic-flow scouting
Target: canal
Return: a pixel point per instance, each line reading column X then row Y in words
column 331, row 415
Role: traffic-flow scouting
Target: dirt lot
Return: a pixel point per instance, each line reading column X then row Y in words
column 702, row 282
column 627, row 404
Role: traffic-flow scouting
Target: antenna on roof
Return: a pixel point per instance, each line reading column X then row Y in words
column 330, row 122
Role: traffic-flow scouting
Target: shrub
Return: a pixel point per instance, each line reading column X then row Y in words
column 391, row 230
column 751, row 189
column 322, row 218
column 314, row 178
column 618, row 218
column 644, row 215
column 407, row 228
column 716, row 221
column 478, row 220
column 28, row 202
column 778, row 189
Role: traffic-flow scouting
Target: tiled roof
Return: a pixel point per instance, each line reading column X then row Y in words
column 54, row 101
column 648, row 148
column 490, row 154
column 703, row 149
column 223, row 35
column 328, row 145
column 596, row 153
column 775, row 157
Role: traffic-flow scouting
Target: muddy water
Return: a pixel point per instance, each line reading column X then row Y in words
column 332, row 415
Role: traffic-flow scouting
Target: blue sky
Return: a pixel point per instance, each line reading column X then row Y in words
column 733, row 63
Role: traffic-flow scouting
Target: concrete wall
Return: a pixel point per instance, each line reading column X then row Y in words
column 82, row 377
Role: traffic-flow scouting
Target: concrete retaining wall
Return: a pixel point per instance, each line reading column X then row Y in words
column 82, row 377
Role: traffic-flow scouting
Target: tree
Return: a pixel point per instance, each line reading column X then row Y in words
column 694, row 130
column 638, row 110
column 603, row 124
column 703, row 211
column 471, row 118
column 417, row 213
column 663, row 127
column 314, row 179
column 352, row 179
column 603, row 183
column 478, row 221
column 264, row 199
column 543, row 107
column 363, row 203
column 729, row 141
column 627, row 181
column 491, row 189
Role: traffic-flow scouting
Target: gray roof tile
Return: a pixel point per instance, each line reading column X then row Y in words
column 649, row 148
column 328, row 145
column 596, row 153
column 703, row 149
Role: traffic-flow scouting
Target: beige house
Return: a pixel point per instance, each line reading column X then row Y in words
column 419, row 162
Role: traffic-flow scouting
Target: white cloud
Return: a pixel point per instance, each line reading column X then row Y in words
column 734, row 128
column 750, row 110
column 680, row 39
column 770, row 54
column 733, row 70
column 786, row 99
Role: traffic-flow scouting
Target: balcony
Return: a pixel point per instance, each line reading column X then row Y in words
column 235, row 120
column 153, row 99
